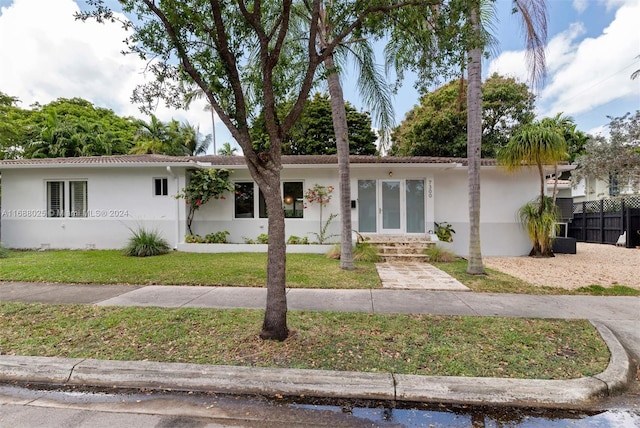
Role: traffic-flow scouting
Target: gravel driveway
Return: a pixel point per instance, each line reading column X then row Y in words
column 598, row 264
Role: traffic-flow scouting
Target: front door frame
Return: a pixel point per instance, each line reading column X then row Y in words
column 401, row 208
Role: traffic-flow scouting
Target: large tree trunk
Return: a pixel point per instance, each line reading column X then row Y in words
column 340, row 127
column 275, row 317
column 267, row 175
column 474, row 143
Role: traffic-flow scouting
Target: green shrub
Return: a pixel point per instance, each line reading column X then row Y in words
column 193, row 239
column 4, row 252
column 362, row 252
column 444, row 231
column 439, row 254
column 217, row 237
column 145, row 243
column 334, row 252
column 296, row 240
column 263, row 238
column 365, row 252
column 248, row 240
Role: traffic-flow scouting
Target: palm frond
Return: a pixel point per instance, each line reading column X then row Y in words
column 534, row 29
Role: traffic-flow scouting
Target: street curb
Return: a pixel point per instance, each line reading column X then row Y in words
column 322, row 383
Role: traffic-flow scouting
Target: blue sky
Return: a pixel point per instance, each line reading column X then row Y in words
column 591, row 52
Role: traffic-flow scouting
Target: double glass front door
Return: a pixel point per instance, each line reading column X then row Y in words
column 391, row 206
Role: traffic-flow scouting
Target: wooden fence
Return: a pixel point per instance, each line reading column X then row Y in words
column 605, row 220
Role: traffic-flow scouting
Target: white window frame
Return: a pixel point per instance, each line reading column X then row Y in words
column 164, row 186
column 67, row 206
column 257, row 199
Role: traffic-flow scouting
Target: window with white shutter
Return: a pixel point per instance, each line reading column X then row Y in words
column 58, row 198
column 55, row 199
column 78, row 199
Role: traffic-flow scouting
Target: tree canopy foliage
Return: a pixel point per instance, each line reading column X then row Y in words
column 438, row 126
column 75, row 127
column 616, row 156
column 247, row 58
column 313, row 133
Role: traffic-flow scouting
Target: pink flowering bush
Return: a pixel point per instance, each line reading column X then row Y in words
column 319, row 194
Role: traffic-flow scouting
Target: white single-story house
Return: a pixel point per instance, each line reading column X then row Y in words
column 95, row 202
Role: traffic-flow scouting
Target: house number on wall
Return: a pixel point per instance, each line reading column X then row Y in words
column 430, row 189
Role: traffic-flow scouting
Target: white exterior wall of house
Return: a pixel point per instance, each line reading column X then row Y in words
column 501, row 196
column 118, row 199
column 218, row 215
column 121, row 197
column 446, row 200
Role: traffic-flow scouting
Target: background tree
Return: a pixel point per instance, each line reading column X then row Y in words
column 13, row 121
column 233, row 52
column 616, row 156
column 192, row 141
column 313, row 133
column 74, row 127
column 227, row 150
column 438, row 126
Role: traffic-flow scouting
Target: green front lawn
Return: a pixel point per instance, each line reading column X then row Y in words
column 410, row 344
column 241, row 269
column 176, row 268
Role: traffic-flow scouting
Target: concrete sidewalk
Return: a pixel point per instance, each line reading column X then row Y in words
column 617, row 319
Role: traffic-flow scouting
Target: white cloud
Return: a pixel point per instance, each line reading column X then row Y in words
column 585, row 73
column 580, row 5
column 599, row 70
column 47, row 54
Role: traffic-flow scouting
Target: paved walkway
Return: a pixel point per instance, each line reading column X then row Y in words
column 417, row 276
column 617, row 318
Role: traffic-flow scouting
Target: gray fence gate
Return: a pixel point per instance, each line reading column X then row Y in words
column 605, row 220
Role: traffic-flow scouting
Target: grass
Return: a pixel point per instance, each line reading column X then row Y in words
column 410, row 344
column 176, row 268
column 243, row 269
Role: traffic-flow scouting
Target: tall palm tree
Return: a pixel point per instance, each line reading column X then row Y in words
column 533, row 14
column 376, row 94
column 227, row 150
column 192, row 141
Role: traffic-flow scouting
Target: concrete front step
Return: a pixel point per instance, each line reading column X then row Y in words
column 401, row 258
column 392, row 248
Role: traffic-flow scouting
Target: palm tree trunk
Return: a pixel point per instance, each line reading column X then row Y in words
column 340, row 127
column 474, row 143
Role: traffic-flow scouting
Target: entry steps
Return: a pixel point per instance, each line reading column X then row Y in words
column 401, row 248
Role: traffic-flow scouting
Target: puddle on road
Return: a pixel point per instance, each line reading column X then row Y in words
column 488, row 417
column 258, row 411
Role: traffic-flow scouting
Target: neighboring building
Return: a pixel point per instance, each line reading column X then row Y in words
column 593, row 189
column 95, row 202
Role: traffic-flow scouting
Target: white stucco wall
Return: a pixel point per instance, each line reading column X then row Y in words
column 218, row 215
column 119, row 199
column 501, row 196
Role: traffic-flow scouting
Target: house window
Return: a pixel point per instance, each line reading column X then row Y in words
column 160, row 186
column 55, row 198
column 293, row 199
column 614, row 185
column 245, row 201
column 76, row 198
